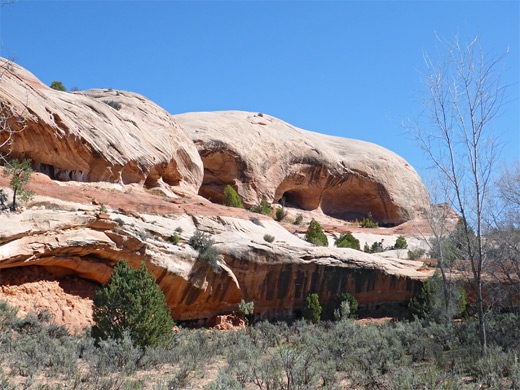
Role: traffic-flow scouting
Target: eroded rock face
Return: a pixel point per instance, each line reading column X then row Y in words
column 34, row 289
column 76, row 136
column 266, row 158
column 277, row 276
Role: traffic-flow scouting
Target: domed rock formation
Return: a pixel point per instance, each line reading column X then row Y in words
column 76, row 136
column 266, row 158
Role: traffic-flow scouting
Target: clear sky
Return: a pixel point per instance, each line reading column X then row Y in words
column 346, row 68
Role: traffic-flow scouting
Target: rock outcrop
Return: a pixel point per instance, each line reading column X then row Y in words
column 266, row 158
column 79, row 136
column 76, row 136
column 62, row 246
column 276, row 276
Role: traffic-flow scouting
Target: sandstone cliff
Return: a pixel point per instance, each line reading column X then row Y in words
column 61, row 247
column 76, row 136
column 266, row 158
column 277, row 276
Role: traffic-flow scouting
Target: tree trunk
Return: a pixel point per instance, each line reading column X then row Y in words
column 13, row 206
column 481, row 322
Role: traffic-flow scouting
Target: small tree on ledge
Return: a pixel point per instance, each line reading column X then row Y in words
column 232, row 197
column 21, row 174
column 315, row 234
column 58, row 86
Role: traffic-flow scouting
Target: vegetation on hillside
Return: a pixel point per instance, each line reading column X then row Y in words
column 131, row 305
column 369, row 222
column 263, row 208
column 347, row 240
column 232, row 199
column 418, row 354
column 205, row 245
column 315, row 234
column 115, row 105
column 58, row 86
column 20, row 172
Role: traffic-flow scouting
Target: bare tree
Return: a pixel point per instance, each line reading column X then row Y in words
column 437, row 231
column 503, row 239
column 439, row 219
column 464, row 94
column 11, row 123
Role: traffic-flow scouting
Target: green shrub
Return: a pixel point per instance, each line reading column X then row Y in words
column 315, row 234
column 298, row 220
column 232, row 199
column 400, row 243
column 340, row 306
column 21, row 174
column 7, row 315
column 208, row 252
column 116, row 355
column 376, row 247
column 131, row 301
column 280, row 214
column 268, row 238
column 263, row 208
column 369, row 222
column 200, row 241
column 312, row 308
column 115, row 105
column 431, row 301
column 58, row 86
column 224, row 382
column 144, row 235
column 454, row 246
column 343, row 311
column 366, row 248
column 246, row 309
column 347, row 240
column 119, row 221
column 103, row 208
column 352, row 301
column 174, row 238
column 416, row 253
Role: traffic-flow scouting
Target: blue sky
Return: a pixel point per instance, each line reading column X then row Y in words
column 346, row 68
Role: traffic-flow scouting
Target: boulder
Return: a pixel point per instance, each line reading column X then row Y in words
column 263, row 157
column 77, row 136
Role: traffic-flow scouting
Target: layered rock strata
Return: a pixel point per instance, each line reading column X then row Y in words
column 276, row 277
column 79, row 136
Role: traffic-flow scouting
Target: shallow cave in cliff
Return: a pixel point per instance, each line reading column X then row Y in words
column 61, row 292
column 68, row 280
column 47, row 169
column 297, row 198
column 221, row 167
column 213, row 191
column 356, row 199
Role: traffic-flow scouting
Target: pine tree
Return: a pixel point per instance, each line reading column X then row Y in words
column 132, row 301
column 312, row 309
column 347, row 240
column 400, row 243
column 315, row 234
